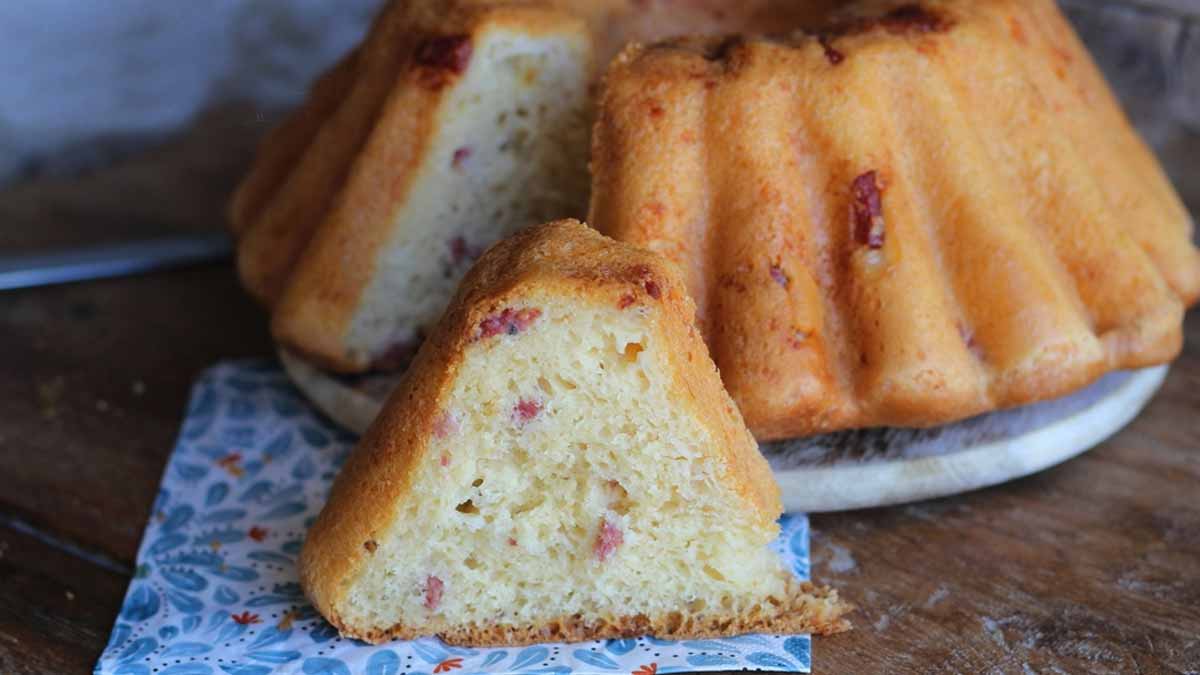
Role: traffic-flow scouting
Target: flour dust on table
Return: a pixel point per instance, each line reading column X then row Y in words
column 216, row 590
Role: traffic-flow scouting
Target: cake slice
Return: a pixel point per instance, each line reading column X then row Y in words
column 560, row 463
column 471, row 126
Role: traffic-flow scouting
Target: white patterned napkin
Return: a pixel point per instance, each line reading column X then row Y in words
column 216, row 589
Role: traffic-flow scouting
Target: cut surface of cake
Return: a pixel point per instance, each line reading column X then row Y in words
column 560, row 463
column 910, row 215
column 452, row 125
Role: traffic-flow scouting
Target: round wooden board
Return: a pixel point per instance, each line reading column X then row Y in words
column 867, row 467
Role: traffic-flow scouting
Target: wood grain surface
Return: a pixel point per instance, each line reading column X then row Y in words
column 1090, row 567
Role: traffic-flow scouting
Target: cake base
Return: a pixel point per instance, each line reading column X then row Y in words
column 866, row 467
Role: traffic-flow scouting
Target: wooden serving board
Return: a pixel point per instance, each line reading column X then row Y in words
column 866, row 467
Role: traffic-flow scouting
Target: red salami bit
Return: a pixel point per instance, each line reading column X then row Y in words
column 608, row 540
column 835, row 57
column 509, row 321
column 867, row 211
column 779, row 276
column 445, row 425
column 460, row 155
column 370, row 545
column 625, row 301
column 968, row 338
column 433, row 592
column 652, row 289
column 526, row 410
column 445, row 52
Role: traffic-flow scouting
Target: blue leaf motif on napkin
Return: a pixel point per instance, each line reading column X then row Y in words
column 167, row 542
column 314, row 437
column 141, row 604
column 274, row 656
column 223, row 516
column 322, row 632
column 131, row 669
column 771, row 661
column 751, row 640
column 137, row 649
column 270, row 636
column 279, row 446
column 187, row 649
column 240, row 409
column 323, row 666
column 190, row 473
column 256, row 491
column 383, row 662
column 216, row 494
column 268, row 600
column 188, row 604
column 239, row 669
column 225, row 595
column 707, row 660
column 189, row 623
column 283, row 511
column 179, row 516
column 234, row 573
column 120, row 634
column 286, row 406
column 187, row 669
column 238, row 437
column 167, row 633
column 429, row 651
column 221, row 535
column 529, row 656
column 493, row 658
column 185, row 580
column 595, row 659
column 620, row 647
column 270, row 557
column 289, row 493
column 799, row 648
column 230, row 630
column 304, row 469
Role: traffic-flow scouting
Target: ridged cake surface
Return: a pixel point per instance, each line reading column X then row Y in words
column 560, row 463
column 452, row 125
column 913, row 214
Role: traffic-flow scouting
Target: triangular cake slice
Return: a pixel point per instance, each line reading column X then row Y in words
column 560, row 463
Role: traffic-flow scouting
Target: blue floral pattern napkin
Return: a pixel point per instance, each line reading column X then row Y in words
column 216, row 590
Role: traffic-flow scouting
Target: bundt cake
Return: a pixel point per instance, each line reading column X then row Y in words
column 560, row 463
column 913, row 214
column 452, row 125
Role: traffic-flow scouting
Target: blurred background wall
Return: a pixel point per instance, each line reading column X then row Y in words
column 89, row 85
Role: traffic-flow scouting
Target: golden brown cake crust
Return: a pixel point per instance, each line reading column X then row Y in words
column 814, row 610
column 320, row 201
column 913, row 214
column 569, row 258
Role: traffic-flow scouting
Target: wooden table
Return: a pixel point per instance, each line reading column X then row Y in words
column 1093, row 566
